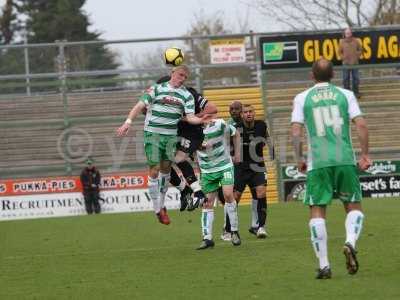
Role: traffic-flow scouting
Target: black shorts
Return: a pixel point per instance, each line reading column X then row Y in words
column 248, row 177
column 188, row 146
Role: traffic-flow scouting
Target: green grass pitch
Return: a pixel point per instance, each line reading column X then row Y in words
column 131, row 256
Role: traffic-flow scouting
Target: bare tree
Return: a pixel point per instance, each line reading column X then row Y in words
column 204, row 24
column 216, row 24
column 387, row 14
column 148, row 65
column 197, row 50
column 326, row 14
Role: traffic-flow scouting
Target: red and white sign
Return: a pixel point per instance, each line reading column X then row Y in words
column 62, row 196
column 228, row 51
column 69, row 184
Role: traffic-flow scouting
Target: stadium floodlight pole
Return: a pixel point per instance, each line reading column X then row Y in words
column 26, row 59
column 61, row 64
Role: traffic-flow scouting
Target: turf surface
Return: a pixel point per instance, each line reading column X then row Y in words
column 131, row 256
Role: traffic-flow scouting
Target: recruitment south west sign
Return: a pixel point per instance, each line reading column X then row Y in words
column 379, row 46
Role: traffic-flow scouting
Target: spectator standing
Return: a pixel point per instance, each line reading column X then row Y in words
column 90, row 179
column 350, row 51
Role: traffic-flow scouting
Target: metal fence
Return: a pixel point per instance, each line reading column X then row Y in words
column 66, row 76
column 74, row 66
column 50, row 67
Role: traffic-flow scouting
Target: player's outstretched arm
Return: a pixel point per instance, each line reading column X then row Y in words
column 297, row 135
column 237, row 147
column 271, row 149
column 270, row 144
column 362, row 132
column 138, row 108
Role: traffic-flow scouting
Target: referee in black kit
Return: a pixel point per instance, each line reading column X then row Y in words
column 251, row 170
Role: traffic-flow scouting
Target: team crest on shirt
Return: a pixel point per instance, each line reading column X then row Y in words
column 170, row 100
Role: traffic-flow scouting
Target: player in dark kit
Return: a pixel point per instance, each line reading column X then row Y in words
column 190, row 138
column 251, row 170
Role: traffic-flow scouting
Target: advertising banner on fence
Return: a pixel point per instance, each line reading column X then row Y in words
column 294, row 190
column 72, row 204
column 384, row 167
column 228, row 51
column 14, row 187
column 61, row 196
column 301, row 50
column 371, row 187
column 380, row 186
column 380, row 180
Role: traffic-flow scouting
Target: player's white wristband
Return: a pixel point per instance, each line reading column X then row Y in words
column 128, row 121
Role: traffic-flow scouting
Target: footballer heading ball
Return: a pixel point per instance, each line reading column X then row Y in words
column 173, row 56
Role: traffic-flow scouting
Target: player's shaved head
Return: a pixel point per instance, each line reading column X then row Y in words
column 235, row 109
column 236, row 104
column 322, row 70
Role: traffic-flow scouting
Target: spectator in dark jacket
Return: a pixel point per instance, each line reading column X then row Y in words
column 90, row 179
